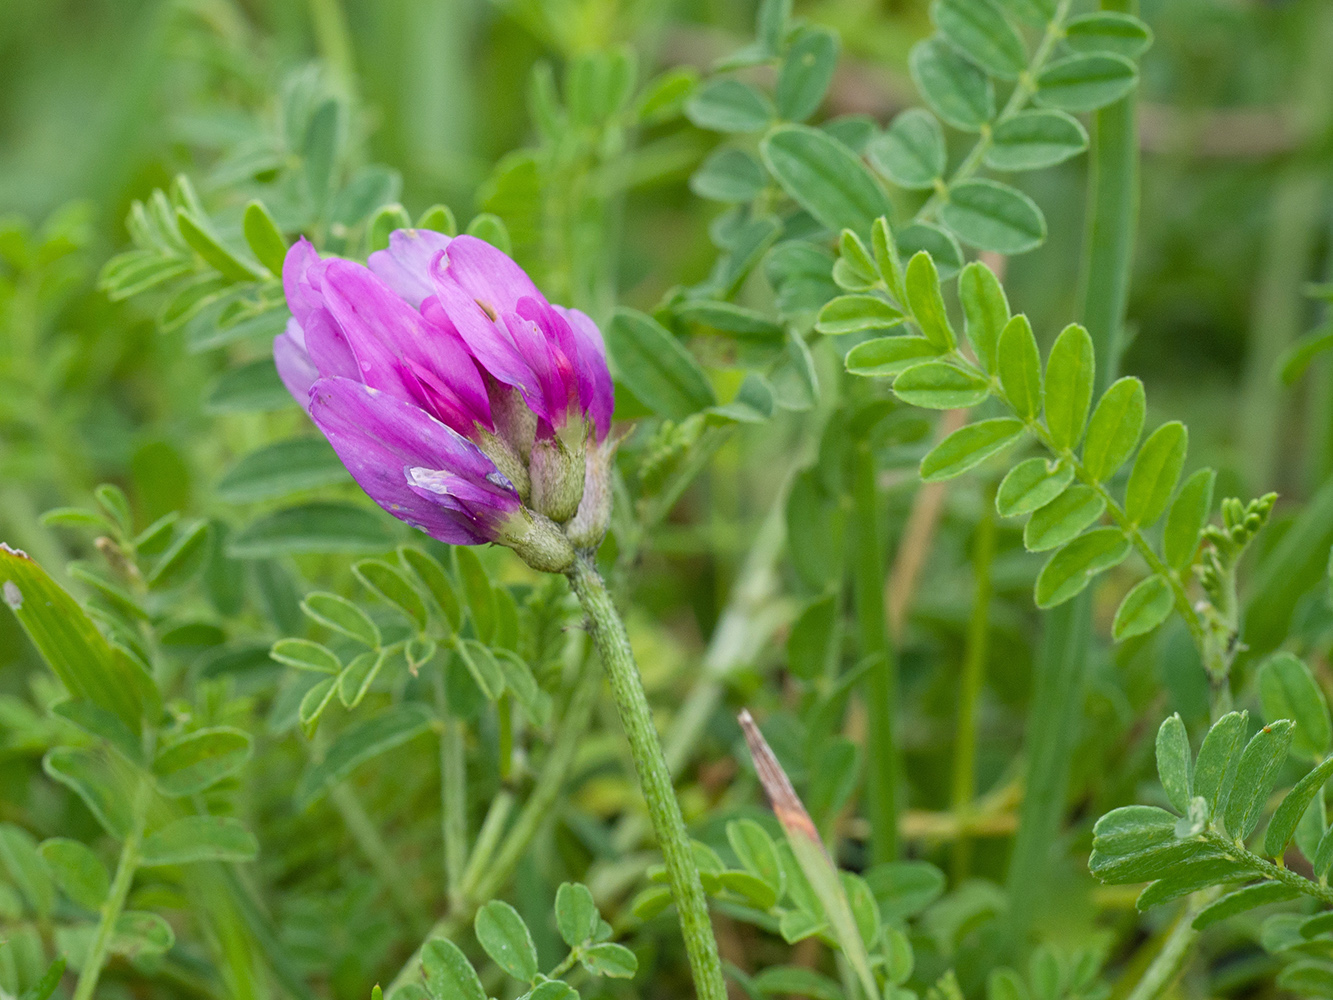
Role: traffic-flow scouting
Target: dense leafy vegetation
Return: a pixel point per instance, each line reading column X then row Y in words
column 962, row 621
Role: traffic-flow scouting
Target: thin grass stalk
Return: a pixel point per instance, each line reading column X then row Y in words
column 1056, row 712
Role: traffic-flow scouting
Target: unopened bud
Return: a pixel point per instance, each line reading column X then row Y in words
column 557, row 471
column 589, row 525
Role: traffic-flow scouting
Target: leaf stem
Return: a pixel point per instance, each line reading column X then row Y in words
column 1018, row 99
column 114, row 905
column 608, row 632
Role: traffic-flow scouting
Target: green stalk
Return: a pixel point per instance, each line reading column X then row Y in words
column 1168, row 962
column 115, row 900
column 482, row 881
column 866, row 557
column 376, row 852
column 1056, row 712
column 969, row 694
column 608, row 632
column 453, row 792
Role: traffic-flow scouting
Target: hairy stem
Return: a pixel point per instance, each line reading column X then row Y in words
column 617, row 657
column 115, row 900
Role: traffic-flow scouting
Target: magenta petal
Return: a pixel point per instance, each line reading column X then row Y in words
column 485, row 336
column 595, row 388
column 297, row 371
column 328, row 348
column 302, row 298
column 405, row 265
column 378, row 437
column 485, row 274
column 385, row 332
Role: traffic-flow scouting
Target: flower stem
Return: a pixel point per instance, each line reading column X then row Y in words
column 608, row 632
column 115, row 900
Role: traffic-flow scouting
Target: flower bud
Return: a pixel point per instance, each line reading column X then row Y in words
column 588, row 527
column 557, row 471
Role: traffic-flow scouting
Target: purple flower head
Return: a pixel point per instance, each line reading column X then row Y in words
column 460, row 400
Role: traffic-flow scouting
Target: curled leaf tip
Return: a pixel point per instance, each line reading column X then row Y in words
column 14, row 552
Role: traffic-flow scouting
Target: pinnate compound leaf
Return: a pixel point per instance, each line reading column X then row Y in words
column 1108, row 31
column 87, row 776
column 1175, row 762
column 139, row 932
column 1144, row 608
column 77, row 870
column 280, row 469
column 1070, row 369
column 936, row 385
column 985, row 311
column 607, row 959
column 956, row 90
column 70, row 643
column 1307, row 979
column 856, row 313
column 576, row 913
column 320, row 527
column 729, row 175
column 978, row 30
column 390, row 584
column 1031, row 140
column 796, row 980
column 1031, row 484
column 364, row 740
column 1190, row 877
column 989, row 215
column 1186, row 518
column 1148, row 864
column 482, row 665
column 1255, row 774
column 1289, row 690
column 45, row 987
column 1131, row 829
column 1155, row 473
column 757, row 852
column 449, row 975
column 201, row 759
column 1219, row 756
column 969, row 446
column 806, row 73
column 341, row 615
column 824, row 177
column 889, row 355
column 437, row 583
column 1114, row 428
column 1248, row 898
column 1282, row 827
column 924, row 298
column 302, row 654
column 1019, row 368
column 729, row 105
column 1086, row 82
column 22, row 861
column 1072, row 567
column 911, row 151
column 199, row 838
column 1063, row 519
column 504, row 936
column 935, row 240
column 656, row 367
